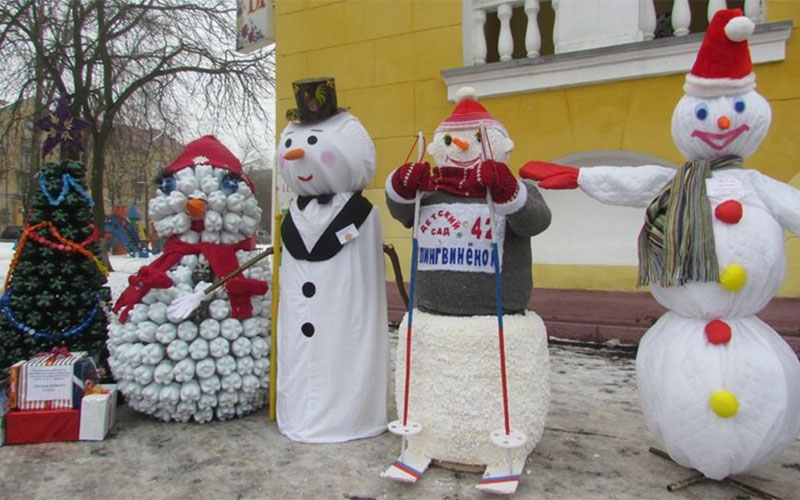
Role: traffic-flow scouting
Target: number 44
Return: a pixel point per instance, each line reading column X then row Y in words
column 477, row 231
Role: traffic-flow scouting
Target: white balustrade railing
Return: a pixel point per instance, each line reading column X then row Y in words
column 579, row 24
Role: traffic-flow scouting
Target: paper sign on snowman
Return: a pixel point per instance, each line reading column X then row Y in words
column 455, row 375
column 333, row 339
column 214, row 363
column 719, row 388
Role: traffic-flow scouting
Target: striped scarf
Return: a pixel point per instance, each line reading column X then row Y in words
column 676, row 243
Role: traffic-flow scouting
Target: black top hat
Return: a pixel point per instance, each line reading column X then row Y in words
column 316, row 100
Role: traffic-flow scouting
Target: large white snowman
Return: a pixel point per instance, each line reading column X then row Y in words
column 214, row 363
column 333, row 339
column 719, row 388
column 455, row 377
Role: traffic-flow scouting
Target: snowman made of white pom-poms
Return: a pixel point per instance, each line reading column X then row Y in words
column 215, row 362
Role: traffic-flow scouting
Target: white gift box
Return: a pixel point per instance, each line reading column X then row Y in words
column 98, row 412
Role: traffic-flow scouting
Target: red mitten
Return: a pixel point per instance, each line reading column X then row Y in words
column 410, row 178
column 550, row 175
column 498, row 179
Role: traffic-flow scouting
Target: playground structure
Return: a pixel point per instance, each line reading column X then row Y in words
column 125, row 233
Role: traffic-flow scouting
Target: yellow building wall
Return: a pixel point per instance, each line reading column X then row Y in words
column 386, row 56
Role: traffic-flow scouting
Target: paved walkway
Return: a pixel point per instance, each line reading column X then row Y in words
column 595, row 446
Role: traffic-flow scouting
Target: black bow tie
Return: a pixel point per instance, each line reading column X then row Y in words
column 303, row 201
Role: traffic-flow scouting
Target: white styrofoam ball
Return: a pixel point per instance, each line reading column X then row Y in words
column 217, row 201
column 244, row 189
column 181, row 274
column 209, row 236
column 151, row 392
column 187, row 181
column 190, row 237
column 190, row 391
column 164, row 414
column 209, row 185
column 163, row 373
column 186, row 408
column 207, row 401
column 205, row 367
column 198, row 195
column 226, row 365
column 126, row 371
column 189, row 261
column 259, row 347
column 146, row 331
column 225, row 412
column 250, row 327
column 164, row 227
column 115, row 332
column 187, row 331
column 177, row 201
column 166, row 333
column 248, row 226
column 170, row 394
column 152, row 354
column 203, row 415
column 250, row 383
column 202, row 171
column 251, row 209
column 151, row 297
column 244, row 365
column 227, row 238
column 159, row 208
column 184, row 370
column 157, row 313
column 166, row 295
column 177, row 350
column 198, row 349
column 231, row 382
column 143, row 374
column 138, row 313
column 258, row 305
column 221, row 293
column 235, row 203
column 213, row 221
column 231, row 328
column 209, row 328
column 232, row 222
column 260, row 367
column 135, row 390
column 219, row 309
column 219, row 347
column 129, row 332
column 227, row 398
column 210, row 385
column 241, row 346
column 134, row 354
column 181, row 222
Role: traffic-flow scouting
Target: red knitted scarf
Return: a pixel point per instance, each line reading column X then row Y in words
column 458, row 181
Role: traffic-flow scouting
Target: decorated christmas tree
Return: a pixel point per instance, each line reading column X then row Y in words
column 54, row 290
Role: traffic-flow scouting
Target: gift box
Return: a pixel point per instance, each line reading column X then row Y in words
column 42, row 426
column 51, row 381
column 98, row 413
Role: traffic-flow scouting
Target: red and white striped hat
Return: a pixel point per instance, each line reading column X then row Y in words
column 469, row 114
column 723, row 65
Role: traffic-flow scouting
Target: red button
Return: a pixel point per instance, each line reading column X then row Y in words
column 729, row 211
column 718, row 332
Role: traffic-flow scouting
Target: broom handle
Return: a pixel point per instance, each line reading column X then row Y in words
column 238, row 271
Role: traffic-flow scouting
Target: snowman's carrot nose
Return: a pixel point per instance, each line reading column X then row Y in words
column 461, row 144
column 196, row 208
column 294, row 154
column 724, row 122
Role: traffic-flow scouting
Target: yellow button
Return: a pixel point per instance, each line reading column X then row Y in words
column 724, row 404
column 733, row 278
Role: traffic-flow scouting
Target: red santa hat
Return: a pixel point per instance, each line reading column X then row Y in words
column 723, row 65
column 470, row 114
column 207, row 150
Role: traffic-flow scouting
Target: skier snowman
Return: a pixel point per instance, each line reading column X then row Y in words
column 214, row 363
column 333, row 343
column 719, row 388
column 455, row 377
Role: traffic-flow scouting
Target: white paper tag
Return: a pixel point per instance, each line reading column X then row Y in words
column 457, row 237
column 347, row 234
column 725, row 188
column 48, row 383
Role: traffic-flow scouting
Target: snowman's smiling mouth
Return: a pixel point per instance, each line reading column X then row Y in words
column 305, row 179
column 719, row 141
column 467, row 163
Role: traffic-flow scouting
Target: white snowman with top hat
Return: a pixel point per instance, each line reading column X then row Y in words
column 215, row 362
column 719, row 388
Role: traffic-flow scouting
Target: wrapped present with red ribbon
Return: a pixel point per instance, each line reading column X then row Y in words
column 51, row 380
column 42, row 426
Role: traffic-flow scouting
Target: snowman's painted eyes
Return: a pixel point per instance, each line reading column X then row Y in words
column 448, row 140
column 229, row 185
column 288, row 143
column 312, row 139
column 478, row 136
column 738, row 105
column 168, row 184
column 701, row 111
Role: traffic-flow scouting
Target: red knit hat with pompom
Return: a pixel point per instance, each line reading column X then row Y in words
column 470, row 114
column 207, row 150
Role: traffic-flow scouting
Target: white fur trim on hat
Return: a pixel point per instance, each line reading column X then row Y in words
column 715, row 87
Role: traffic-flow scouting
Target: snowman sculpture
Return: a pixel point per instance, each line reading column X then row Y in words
column 719, row 388
column 455, row 382
column 214, row 363
column 333, row 339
